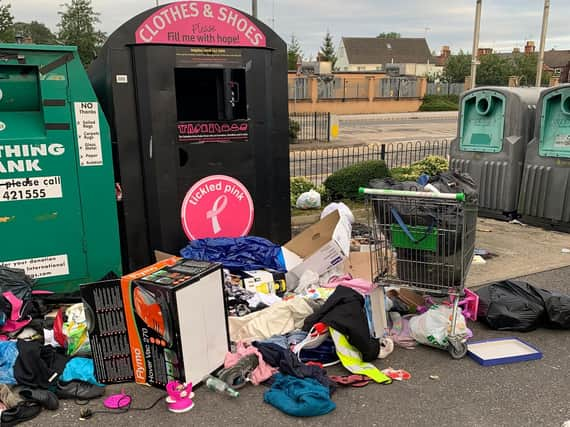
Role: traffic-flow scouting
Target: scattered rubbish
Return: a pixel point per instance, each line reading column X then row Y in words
column 309, row 200
column 117, row 401
column 478, row 260
column 484, row 230
column 565, row 251
column 433, row 327
column 517, row 222
column 483, row 253
column 397, row 374
column 343, row 210
column 354, row 380
column 502, row 351
column 217, row 385
column 179, row 397
column 517, row 306
column 434, row 377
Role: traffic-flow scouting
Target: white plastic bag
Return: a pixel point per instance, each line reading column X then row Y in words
column 309, row 200
column 434, row 326
column 343, row 210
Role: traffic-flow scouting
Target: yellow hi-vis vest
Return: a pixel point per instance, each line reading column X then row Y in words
column 351, row 359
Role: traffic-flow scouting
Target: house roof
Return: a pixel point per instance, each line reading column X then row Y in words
column 557, row 58
column 552, row 58
column 374, row 50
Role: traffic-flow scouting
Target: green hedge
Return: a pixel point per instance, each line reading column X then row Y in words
column 440, row 103
column 431, row 165
column 344, row 183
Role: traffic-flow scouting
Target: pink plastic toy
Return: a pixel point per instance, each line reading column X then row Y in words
column 469, row 305
column 179, row 397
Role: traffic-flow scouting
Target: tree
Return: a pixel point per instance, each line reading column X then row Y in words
column 457, row 67
column 525, row 69
column 39, row 33
column 328, row 50
column 390, row 35
column 6, row 23
column 494, row 70
column 77, row 27
column 293, row 52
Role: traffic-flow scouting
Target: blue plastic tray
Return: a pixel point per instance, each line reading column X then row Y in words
column 500, row 351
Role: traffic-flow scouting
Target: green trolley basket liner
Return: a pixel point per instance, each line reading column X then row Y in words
column 426, row 239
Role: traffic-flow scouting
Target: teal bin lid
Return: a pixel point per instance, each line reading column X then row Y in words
column 555, row 124
column 482, row 122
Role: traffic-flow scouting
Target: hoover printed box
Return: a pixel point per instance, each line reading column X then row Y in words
column 164, row 322
column 176, row 318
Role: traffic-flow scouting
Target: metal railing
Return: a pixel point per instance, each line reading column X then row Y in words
column 317, row 165
column 397, row 87
column 445, row 88
column 312, row 126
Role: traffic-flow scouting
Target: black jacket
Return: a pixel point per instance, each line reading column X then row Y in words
column 344, row 311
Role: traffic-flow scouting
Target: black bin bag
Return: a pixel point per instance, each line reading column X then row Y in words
column 511, row 306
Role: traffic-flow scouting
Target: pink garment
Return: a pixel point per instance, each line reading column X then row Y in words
column 260, row 374
column 13, row 323
column 361, row 286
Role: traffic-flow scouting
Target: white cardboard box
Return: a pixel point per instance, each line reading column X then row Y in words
column 320, row 247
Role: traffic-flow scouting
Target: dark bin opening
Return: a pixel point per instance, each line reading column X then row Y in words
column 219, row 95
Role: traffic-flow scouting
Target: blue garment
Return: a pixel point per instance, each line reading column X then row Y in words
column 8, row 355
column 299, row 397
column 325, row 353
column 287, row 340
column 81, row 369
column 242, row 253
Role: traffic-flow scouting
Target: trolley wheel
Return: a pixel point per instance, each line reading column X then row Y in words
column 457, row 349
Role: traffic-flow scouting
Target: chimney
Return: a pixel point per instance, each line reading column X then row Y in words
column 484, row 51
column 529, row 47
column 445, row 52
column 517, row 50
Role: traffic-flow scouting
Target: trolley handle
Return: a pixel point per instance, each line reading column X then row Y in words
column 421, row 194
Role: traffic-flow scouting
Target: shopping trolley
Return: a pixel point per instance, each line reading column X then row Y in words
column 423, row 241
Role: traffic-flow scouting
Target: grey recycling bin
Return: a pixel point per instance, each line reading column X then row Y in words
column 495, row 125
column 545, row 188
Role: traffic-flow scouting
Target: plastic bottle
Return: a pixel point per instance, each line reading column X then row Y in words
column 217, row 385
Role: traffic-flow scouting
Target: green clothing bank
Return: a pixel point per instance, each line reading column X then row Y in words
column 58, row 211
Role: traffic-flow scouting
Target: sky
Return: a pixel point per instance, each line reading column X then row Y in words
column 504, row 23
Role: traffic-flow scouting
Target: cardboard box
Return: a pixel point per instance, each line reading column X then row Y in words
column 320, row 247
column 164, row 322
column 176, row 318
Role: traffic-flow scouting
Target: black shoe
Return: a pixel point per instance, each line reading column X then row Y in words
column 45, row 398
column 78, row 390
column 24, row 411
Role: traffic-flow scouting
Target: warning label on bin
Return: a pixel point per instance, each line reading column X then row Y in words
column 37, row 268
column 88, row 133
column 31, row 188
column 562, row 141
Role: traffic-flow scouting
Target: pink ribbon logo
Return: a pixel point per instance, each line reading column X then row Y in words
column 219, row 205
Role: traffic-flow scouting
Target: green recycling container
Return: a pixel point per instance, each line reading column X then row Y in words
column 545, row 188
column 58, row 212
column 495, row 125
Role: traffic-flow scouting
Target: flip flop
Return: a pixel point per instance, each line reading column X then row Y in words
column 351, row 380
column 397, row 374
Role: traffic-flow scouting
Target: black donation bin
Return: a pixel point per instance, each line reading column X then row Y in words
column 196, row 95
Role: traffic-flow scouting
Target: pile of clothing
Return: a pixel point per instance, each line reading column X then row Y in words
column 289, row 345
column 40, row 355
